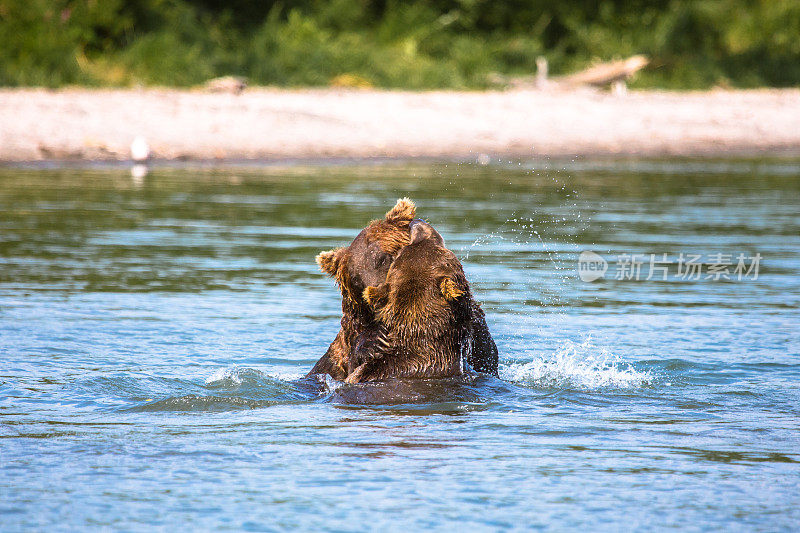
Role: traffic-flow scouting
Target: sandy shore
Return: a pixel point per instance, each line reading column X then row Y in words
column 38, row 124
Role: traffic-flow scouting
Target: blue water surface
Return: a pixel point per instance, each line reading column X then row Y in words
column 154, row 333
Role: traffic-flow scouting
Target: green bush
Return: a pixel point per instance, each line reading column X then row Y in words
column 424, row 44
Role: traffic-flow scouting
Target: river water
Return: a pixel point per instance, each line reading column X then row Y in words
column 153, row 332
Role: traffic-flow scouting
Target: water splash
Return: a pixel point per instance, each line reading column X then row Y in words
column 517, row 231
column 235, row 377
column 578, row 366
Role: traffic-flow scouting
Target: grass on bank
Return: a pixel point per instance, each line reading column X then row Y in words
column 459, row 44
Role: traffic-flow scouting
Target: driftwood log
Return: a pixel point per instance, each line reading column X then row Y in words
column 612, row 73
column 226, row 84
column 604, row 74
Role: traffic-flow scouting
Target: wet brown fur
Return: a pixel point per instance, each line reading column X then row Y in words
column 365, row 262
column 424, row 315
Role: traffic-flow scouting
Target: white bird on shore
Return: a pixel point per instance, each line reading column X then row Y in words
column 140, row 151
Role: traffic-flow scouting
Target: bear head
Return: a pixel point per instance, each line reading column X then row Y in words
column 422, row 285
column 367, row 259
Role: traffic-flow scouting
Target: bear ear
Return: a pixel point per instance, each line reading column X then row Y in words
column 403, row 210
column 449, row 289
column 329, row 261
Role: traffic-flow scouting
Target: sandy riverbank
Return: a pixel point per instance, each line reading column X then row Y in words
column 84, row 124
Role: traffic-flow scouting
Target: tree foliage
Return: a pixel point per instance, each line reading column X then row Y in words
column 391, row 43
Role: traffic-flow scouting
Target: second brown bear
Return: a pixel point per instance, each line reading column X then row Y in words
column 423, row 315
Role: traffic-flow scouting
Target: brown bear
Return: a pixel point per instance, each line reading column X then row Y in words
column 365, row 262
column 424, row 315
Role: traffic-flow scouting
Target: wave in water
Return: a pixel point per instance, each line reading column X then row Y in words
column 582, row 366
column 231, row 389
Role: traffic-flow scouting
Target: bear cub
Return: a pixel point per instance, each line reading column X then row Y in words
column 423, row 313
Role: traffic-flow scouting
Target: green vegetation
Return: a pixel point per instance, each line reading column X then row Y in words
column 391, row 43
